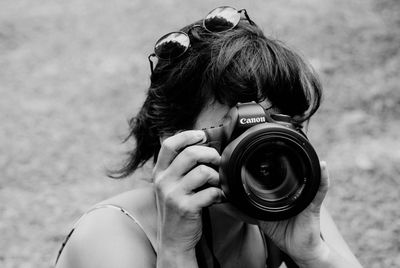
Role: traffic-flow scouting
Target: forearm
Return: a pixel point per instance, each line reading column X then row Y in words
column 329, row 258
column 168, row 258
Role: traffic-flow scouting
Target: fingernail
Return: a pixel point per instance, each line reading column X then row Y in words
column 202, row 136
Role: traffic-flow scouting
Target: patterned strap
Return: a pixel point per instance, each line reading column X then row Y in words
column 92, row 209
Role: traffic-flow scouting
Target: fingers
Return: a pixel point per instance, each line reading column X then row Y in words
column 323, row 188
column 192, row 156
column 193, row 182
column 171, row 146
column 206, row 197
column 181, row 171
column 187, row 196
column 200, row 176
column 324, row 184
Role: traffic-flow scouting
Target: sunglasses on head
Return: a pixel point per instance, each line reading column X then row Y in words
column 175, row 44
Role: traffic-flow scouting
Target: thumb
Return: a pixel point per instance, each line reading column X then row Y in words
column 322, row 190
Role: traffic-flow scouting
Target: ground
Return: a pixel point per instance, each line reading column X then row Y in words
column 73, row 72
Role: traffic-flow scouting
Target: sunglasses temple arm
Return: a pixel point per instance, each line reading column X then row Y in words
column 247, row 16
column 151, row 62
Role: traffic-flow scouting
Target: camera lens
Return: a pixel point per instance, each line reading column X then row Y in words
column 272, row 172
column 265, row 170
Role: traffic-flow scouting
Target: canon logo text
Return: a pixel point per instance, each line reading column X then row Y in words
column 253, row 120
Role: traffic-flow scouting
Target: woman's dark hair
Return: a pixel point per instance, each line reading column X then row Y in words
column 239, row 65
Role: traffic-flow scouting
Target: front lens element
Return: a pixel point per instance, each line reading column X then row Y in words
column 221, row 19
column 172, row 45
column 273, row 172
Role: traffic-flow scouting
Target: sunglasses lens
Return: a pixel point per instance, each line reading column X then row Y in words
column 172, row 45
column 221, row 19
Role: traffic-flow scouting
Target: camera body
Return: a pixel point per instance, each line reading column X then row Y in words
column 269, row 170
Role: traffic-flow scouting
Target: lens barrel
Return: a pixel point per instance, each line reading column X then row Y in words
column 270, row 172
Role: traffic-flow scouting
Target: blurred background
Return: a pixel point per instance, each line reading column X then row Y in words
column 73, row 72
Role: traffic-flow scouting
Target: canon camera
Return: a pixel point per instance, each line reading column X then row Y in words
column 269, row 170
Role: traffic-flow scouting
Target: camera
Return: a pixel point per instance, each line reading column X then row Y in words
column 269, row 170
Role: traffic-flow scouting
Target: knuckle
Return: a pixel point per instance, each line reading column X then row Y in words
column 168, row 144
column 185, row 210
column 185, row 135
column 209, row 173
column 174, row 203
column 159, row 180
column 190, row 152
column 204, row 170
column 170, row 199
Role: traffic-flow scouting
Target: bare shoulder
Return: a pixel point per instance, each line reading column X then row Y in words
column 141, row 204
column 107, row 237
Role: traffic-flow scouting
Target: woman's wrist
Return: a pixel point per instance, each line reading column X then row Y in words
column 319, row 257
column 325, row 256
column 168, row 257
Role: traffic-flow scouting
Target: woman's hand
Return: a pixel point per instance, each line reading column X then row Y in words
column 300, row 236
column 180, row 174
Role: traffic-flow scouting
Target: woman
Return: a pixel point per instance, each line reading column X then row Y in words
column 182, row 218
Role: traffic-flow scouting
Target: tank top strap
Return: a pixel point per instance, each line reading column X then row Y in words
column 100, row 206
column 120, row 209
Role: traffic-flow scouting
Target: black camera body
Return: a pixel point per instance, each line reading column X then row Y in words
column 269, row 170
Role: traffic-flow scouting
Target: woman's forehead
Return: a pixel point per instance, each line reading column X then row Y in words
column 212, row 114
